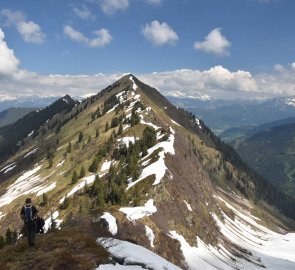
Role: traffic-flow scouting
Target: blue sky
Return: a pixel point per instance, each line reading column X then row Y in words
column 234, row 47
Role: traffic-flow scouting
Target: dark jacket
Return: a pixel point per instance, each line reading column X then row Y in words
column 34, row 212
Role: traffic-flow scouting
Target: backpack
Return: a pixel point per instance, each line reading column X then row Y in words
column 40, row 225
column 28, row 213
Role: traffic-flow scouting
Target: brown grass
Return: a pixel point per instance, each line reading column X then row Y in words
column 72, row 247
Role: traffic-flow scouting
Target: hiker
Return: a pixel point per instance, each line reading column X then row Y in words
column 29, row 216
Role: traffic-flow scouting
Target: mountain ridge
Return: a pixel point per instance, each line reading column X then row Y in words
column 157, row 176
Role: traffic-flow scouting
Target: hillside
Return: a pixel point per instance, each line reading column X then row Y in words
column 166, row 190
column 271, row 153
column 247, row 131
column 12, row 136
column 11, row 115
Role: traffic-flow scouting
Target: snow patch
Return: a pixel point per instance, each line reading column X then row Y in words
column 46, row 189
column 188, row 205
column 134, row 86
column 198, row 123
column 149, row 124
column 48, row 221
column 175, row 123
column 23, row 185
column 111, row 220
column 2, row 215
column 127, row 140
column 134, row 254
column 60, row 163
column 158, row 168
column 106, row 165
column 7, row 166
column 150, row 235
column 31, row 133
column 134, row 213
column 31, row 152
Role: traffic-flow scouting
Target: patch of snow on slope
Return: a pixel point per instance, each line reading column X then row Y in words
column 46, row 189
column 86, row 181
column 8, row 166
column 126, row 127
column 198, row 123
column 150, row 235
column 134, row 86
column 134, row 213
column 275, row 251
column 134, row 254
column 2, row 215
column 111, row 220
column 188, row 205
column 31, row 133
column 112, row 109
column 60, row 163
column 127, row 140
column 23, row 185
column 148, row 124
column 201, row 256
column 158, row 168
column 175, row 123
column 31, row 152
column 119, row 267
column 48, row 221
column 106, row 165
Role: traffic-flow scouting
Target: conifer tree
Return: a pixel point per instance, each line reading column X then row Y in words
column 89, row 139
column 97, row 133
column 2, row 242
column 74, row 178
column 80, row 137
column 120, row 130
column 82, row 172
column 69, row 148
column 65, row 204
column 94, row 165
column 44, row 199
column 106, row 127
column 14, row 236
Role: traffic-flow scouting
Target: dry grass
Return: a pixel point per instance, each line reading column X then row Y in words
column 72, row 247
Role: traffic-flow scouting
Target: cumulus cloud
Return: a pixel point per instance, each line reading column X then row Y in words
column 8, row 63
column 214, row 43
column 30, row 31
column 103, row 37
column 83, row 13
column 159, row 33
column 112, row 6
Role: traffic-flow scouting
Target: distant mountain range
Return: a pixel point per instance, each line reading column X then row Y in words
column 11, row 115
column 271, row 152
column 221, row 114
column 26, row 102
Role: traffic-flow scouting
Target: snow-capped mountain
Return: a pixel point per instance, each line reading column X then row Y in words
column 160, row 190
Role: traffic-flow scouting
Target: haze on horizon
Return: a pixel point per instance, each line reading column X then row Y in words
column 224, row 49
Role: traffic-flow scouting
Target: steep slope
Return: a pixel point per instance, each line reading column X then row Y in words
column 248, row 131
column 152, row 175
column 11, row 136
column 271, row 153
column 11, row 115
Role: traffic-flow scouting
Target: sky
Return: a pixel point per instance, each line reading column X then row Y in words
column 189, row 48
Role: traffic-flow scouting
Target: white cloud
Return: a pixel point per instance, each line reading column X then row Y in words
column 29, row 31
column 8, row 63
column 83, row 13
column 159, row 33
column 293, row 65
column 103, row 37
column 74, row 34
column 214, row 43
column 112, row 6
